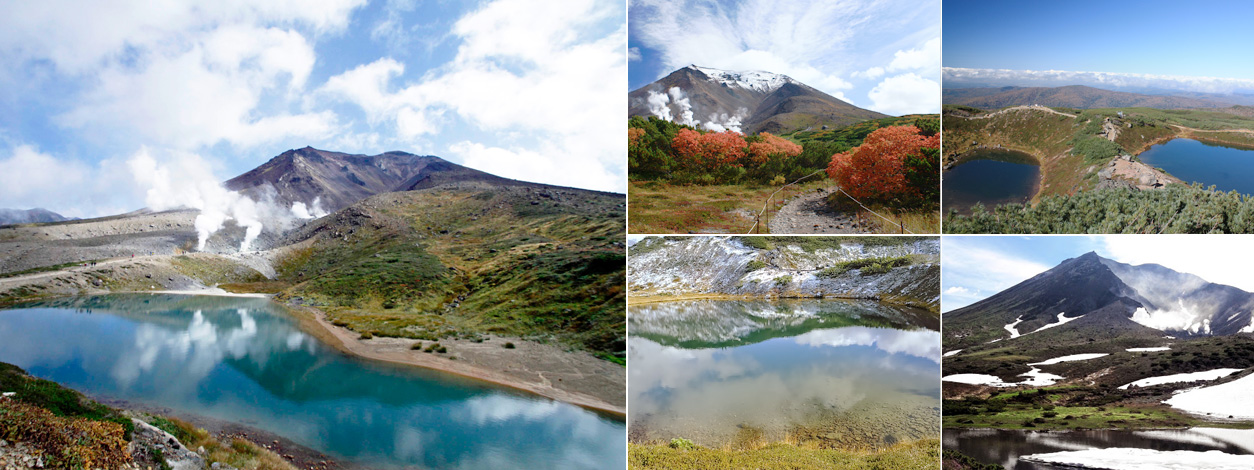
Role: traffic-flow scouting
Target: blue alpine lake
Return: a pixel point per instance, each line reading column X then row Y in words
column 247, row 360
column 991, row 177
column 1228, row 168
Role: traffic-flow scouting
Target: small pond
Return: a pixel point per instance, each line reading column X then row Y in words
column 737, row 374
column 991, row 177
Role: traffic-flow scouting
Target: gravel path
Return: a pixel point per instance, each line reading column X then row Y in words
column 809, row 213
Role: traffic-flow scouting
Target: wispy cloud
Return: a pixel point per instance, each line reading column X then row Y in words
column 971, row 271
column 821, row 43
column 1108, row 80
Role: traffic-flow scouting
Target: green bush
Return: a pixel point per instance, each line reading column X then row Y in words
column 509, row 345
column 367, row 335
column 682, row 444
column 782, row 280
column 754, row 266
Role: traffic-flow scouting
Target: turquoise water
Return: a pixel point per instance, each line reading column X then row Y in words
column 246, row 360
column 738, row 373
column 1227, row 168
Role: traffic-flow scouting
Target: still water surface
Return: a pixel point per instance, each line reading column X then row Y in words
column 991, row 177
column 246, row 360
column 741, row 373
column 1228, row 168
column 1004, row 447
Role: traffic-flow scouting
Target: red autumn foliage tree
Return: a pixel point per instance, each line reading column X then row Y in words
column 709, row 151
column 772, row 146
column 874, row 170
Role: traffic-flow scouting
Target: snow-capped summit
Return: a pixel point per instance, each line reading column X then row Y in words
column 749, row 102
column 756, row 80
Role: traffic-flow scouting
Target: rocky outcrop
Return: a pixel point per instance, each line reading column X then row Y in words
column 675, row 266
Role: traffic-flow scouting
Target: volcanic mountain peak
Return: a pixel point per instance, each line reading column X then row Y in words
column 338, row 179
column 755, row 80
column 1147, row 295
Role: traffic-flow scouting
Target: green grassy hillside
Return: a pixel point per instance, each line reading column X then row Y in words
column 536, row 262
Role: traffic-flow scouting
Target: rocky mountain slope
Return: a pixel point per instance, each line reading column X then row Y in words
column 749, row 102
column 335, row 179
column 1090, row 295
column 894, row 269
column 1074, row 96
column 1117, row 322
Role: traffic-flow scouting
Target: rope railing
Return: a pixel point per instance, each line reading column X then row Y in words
column 757, row 219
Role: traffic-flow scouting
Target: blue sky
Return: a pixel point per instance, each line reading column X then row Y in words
column 1142, row 44
column 881, row 55
column 525, row 89
column 976, row 267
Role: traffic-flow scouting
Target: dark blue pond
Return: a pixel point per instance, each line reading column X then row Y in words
column 990, row 177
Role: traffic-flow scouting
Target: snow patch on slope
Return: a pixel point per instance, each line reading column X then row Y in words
column 1073, row 357
column 1189, row 377
column 1229, row 399
column 1062, row 320
column 1014, row 333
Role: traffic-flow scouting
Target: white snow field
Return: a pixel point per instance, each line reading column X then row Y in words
column 1034, row 378
column 1189, row 377
column 1230, row 399
column 951, row 353
column 1073, row 357
column 1144, row 459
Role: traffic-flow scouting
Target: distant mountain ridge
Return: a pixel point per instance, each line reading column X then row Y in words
column 1091, row 292
column 751, row 101
column 29, row 216
column 1073, row 96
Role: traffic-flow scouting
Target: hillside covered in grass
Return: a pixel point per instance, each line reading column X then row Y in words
column 538, row 262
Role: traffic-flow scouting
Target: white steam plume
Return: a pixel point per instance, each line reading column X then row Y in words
column 659, row 105
column 685, row 108
column 186, row 180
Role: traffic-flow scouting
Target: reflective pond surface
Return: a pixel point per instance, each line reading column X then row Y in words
column 247, row 361
column 837, row 374
column 1004, row 447
column 991, row 177
column 1228, row 168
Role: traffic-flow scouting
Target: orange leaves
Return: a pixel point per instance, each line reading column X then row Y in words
column 633, row 136
column 874, row 170
column 708, row 151
column 772, row 146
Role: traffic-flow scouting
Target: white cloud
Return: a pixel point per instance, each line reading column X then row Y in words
column 551, row 74
column 79, row 36
column 969, row 266
column 906, row 94
column 797, row 39
column 633, row 54
column 1223, row 260
column 871, row 73
column 926, row 58
column 30, row 178
column 1109, row 80
column 958, row 290
column 206, row 92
